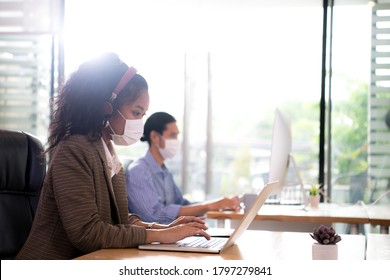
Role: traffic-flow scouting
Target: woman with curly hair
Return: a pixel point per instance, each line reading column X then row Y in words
column 83, row 204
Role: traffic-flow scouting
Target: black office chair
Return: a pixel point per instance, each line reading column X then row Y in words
column 22, row 170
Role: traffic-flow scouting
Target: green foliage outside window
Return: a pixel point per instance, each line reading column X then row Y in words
column 349, row 132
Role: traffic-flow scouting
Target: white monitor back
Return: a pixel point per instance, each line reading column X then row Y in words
column 280, row 152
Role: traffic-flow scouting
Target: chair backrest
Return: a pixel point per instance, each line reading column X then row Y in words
column 22, row 171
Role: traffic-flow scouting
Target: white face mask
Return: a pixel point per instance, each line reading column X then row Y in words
column 132, row 133
column 172, row 147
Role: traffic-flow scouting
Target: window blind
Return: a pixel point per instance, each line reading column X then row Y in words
column 27, row 33
column 379, row 101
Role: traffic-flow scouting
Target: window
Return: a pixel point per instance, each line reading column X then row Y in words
column 360, row 102
column 27, row 46
column 221, row 71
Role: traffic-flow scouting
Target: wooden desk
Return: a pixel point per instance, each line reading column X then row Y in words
column 326, row 213
column 378, row 246
column 253, row 245
column 379, row 215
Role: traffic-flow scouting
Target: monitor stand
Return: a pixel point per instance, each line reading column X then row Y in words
column 300, row 199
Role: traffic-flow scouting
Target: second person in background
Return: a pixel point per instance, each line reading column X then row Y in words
column 151, row 190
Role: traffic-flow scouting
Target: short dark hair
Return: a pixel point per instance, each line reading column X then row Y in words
column 156, row 122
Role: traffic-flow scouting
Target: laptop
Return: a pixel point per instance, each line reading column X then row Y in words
column 215, row 245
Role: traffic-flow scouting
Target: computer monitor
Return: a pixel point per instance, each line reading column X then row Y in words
column 280, row 153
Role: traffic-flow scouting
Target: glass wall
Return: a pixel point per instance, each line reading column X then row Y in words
column 349, row 92
column 360, row 104
column 221, row 68
column 28, row 50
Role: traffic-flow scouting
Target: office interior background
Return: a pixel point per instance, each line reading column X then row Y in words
column 222, row 68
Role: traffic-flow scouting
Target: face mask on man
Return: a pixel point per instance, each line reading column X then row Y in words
column 172, row 147
column 132, row 133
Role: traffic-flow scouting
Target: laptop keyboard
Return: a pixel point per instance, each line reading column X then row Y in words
column 201, row 242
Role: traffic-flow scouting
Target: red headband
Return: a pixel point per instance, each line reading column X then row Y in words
column 125, row 79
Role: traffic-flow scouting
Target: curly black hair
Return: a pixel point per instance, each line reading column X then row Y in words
column 78, row 108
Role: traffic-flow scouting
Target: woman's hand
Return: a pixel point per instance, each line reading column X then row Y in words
column 187, row 219
column 176, row 233
column 179, row 221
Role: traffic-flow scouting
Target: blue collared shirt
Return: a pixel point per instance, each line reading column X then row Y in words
column 152, row 192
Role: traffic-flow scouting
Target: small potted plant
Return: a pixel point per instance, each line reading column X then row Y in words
column 314, row 197
column 326, row 246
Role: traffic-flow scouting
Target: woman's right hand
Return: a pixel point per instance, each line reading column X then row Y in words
column 176, row 233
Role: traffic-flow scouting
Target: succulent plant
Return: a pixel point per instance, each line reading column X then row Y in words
column 325, row 235
column 314, row 190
